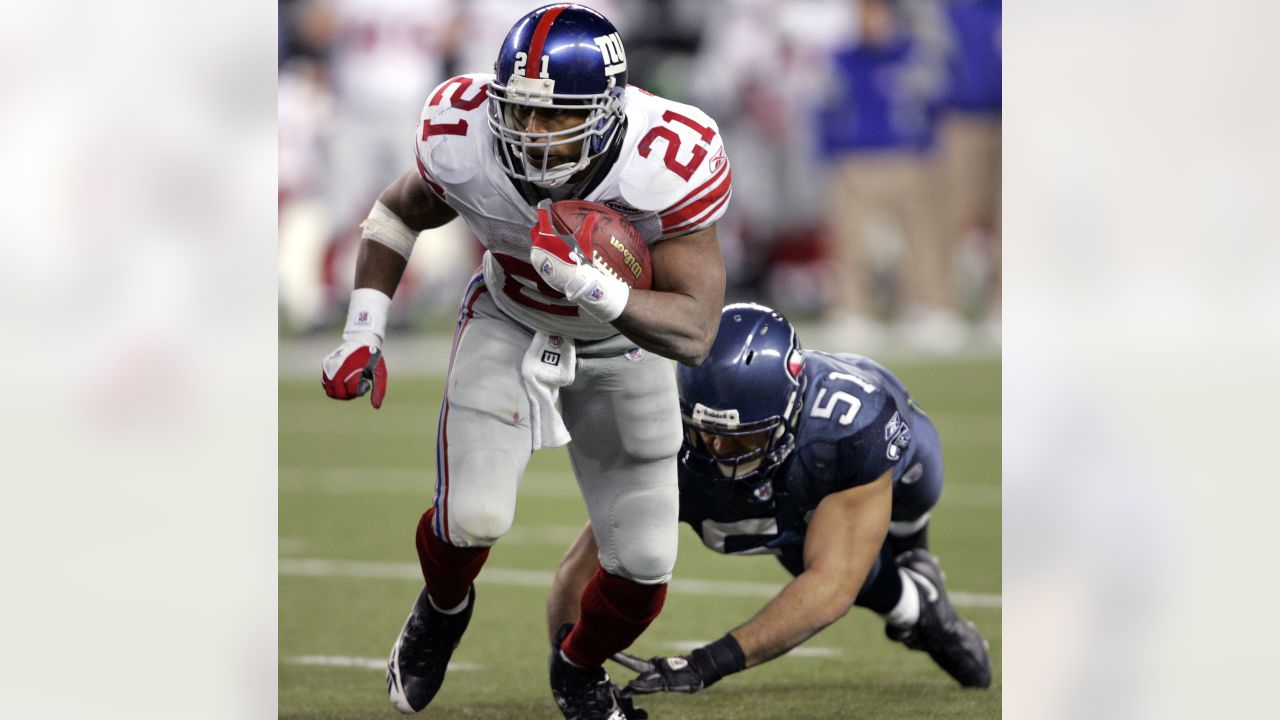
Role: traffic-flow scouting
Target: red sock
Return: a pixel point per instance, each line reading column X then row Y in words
column 448, row 570
column 615, row 611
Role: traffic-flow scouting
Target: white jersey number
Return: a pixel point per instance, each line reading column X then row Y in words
column 825, row 411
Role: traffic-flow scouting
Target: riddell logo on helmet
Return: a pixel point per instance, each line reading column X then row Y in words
column 727, row 418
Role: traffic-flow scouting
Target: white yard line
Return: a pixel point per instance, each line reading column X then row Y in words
column 359, row 662
column 314, row 567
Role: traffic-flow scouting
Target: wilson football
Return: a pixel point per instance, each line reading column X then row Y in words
column 614, row 244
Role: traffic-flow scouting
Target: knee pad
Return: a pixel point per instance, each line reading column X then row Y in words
column 481, row 469
column 642, row 538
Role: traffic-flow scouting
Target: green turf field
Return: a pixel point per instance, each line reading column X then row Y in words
column 353, row 483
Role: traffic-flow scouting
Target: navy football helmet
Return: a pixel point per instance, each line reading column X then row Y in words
column 741, row 406
column 562, row 57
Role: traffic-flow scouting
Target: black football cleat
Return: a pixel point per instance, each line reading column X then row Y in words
column 586, row 693
column 421, row 654
column 953, row 642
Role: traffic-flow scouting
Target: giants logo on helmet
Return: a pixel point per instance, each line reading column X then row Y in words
column 615, row 60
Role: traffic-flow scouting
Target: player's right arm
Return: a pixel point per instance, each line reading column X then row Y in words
column 407, row 207
column 411, row 202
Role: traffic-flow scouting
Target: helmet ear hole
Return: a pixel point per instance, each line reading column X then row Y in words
column 750, row 356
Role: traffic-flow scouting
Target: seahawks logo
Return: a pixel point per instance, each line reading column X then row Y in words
column 898, row 435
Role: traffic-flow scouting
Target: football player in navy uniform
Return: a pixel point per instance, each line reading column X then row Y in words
column 825, row 461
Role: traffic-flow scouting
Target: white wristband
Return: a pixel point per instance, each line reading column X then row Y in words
column 385, row 227
column 367, row 317
column 599, row 294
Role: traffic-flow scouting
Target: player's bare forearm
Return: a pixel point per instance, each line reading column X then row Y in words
column 378, row 266
column 805, row 606
column 576, row 568
column 679, row 317
column 841, row 545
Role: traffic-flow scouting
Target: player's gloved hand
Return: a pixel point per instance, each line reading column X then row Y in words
column 560, row 262
column 661, row 674
column 357, row 367
column 354, row 369
column 690, row 673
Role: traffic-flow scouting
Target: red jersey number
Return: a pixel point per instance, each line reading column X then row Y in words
column 455, row 88
column 683, row 169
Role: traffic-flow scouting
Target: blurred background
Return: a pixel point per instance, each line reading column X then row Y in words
column 864, row 136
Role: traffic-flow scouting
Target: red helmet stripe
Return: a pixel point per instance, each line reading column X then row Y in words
column 539, row 37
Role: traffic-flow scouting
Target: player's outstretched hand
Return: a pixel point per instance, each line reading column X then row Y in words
column 353, row 370
column 661, row 674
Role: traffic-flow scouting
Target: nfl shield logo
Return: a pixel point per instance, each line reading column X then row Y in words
column 597, row 293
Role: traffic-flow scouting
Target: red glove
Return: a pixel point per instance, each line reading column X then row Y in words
column 562, row 266
column 353, row 370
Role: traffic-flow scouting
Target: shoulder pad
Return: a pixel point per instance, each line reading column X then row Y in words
column 675, row 163
column 453, row 130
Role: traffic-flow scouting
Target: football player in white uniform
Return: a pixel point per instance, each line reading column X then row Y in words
column 538, row 326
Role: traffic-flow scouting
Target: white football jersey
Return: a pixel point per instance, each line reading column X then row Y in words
column 670, row 178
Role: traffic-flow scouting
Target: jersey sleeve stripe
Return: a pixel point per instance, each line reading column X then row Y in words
column 701, row 220
column 691, row 196
column 696, row 208
column 539, row 38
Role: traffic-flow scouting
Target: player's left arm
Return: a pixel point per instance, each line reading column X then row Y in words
column 841, row 544
column 679, row 317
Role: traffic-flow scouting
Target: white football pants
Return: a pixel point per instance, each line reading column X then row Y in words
column 623, row 415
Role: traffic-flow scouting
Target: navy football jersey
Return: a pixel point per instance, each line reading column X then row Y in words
column 854, row 427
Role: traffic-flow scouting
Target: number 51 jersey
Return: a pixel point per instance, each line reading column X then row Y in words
column 670, row 177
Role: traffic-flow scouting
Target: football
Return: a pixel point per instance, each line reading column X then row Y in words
column 613, row 243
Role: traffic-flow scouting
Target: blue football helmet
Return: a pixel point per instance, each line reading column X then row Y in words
column 742, row 405
column 559, row 57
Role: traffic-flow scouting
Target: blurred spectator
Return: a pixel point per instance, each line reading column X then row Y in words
column 877, row 132
column 383, row 58
column 969, row 149
column 759, row 72
column 304, row 118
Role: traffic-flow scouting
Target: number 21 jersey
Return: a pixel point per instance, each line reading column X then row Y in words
column 671, row 177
